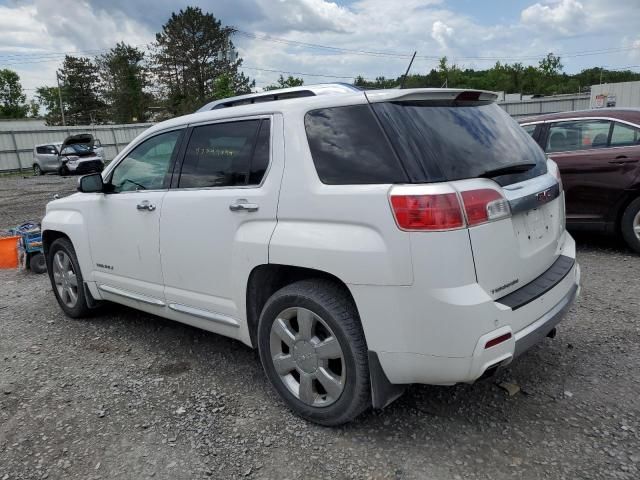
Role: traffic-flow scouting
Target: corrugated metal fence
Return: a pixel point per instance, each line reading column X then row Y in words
column 539, row 106
column 16, row 145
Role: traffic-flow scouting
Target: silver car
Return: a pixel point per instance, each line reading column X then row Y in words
column 75, row 155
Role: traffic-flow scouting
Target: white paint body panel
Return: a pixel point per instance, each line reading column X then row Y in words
column 423, row 305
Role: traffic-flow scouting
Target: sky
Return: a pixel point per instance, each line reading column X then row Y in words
column 367, row 37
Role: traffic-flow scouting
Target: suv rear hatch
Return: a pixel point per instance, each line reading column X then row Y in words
column 509, row 196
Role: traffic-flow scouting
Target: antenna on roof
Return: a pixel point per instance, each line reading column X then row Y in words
column 404, row 77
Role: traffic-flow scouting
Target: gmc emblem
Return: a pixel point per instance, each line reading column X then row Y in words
column 545, row 196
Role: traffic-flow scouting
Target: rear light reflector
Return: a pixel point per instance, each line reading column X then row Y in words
column 484, row 205
column 495, row 341
column 439, row 211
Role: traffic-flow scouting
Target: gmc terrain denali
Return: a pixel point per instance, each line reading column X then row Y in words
column 361, row 240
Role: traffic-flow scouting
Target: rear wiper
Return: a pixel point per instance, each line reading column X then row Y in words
column 515, row 168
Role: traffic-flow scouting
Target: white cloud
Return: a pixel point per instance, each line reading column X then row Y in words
column 564, row 16
column 441, row 33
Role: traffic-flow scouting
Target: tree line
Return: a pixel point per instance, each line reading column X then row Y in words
column 193, row 61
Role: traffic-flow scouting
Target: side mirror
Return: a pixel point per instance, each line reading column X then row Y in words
column 91, row 183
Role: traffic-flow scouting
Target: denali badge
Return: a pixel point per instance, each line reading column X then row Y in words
column 505, row 286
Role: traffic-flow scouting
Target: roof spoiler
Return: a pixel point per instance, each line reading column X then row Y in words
column 431, row 94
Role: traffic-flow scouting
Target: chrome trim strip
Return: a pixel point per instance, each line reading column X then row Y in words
column 534, row 333
column 532, row 193
column 131, row 295
column 207, row 315
column 573, row 119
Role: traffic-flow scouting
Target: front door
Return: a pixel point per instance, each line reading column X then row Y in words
column 217, row 221
column 124, row 225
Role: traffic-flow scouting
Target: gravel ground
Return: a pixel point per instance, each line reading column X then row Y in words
column 129, row 395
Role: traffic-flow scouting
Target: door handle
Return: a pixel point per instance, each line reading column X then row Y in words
column 622, row 159
column 145, row 205
column 243, row 205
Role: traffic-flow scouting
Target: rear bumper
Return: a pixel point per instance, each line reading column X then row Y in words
column 439, row 336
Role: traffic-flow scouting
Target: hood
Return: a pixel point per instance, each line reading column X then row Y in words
column 81, row 138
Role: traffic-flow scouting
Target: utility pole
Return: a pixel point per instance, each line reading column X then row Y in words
column 60, row 98
column 406, row 74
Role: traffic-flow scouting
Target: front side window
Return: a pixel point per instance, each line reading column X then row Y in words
column 624, row 135
column 46, row 150
column 578, row 135
column 226, row 155
column 147, row 167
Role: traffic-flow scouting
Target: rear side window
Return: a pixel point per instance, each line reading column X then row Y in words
column 46, row 150
column 624, row 135
column 442, row 141
column 578, row 135
column 349, row 148
column 530, row 129
column 226, row 154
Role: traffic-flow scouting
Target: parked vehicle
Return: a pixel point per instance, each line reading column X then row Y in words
column 361, row 241
column 98, row 148
column 75, row 155
column 598, row 153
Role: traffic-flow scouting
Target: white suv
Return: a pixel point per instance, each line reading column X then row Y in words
column 362, row 241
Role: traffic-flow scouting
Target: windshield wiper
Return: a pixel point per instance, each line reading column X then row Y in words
column 515, row 168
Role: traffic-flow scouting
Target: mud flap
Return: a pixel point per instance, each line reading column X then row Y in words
column 383, row 392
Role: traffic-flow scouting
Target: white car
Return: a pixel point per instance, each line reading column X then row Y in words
column 361, row 240
column 76, row 154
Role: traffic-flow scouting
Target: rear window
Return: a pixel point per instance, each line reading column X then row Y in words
column 454, row 141
column 348, row 147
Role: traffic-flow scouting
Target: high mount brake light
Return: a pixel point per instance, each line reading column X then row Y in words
column 446, row 211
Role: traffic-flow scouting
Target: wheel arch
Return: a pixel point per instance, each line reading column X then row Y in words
column 264, row 280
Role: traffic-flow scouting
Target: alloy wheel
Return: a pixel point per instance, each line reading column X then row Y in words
column 65, row 279
column 307, row 356
column 36, row 170
column 636, row 225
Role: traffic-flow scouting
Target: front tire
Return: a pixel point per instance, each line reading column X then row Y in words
column 314, row 353
column 64, row 171
column 66, row 278
column 630, row 225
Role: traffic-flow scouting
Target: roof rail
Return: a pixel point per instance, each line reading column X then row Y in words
column 281, row 94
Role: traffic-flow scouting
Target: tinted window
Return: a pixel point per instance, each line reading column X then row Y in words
column 348, row 147
column 530, row 129
column 578, row 135
column 46, row 150
column 457, row 140
column 624, row 135
column 147, row 167
column 226, row 154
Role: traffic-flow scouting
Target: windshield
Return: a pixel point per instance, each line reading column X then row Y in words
column 450, row 141
column 77, row 149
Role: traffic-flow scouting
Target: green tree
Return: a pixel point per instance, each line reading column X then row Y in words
column 80, row 92
column 34, row 109
column 191, row 52
column 48, row 98
column 124, row 82
column 550, row 65
column 282, row 82
column 12, row 98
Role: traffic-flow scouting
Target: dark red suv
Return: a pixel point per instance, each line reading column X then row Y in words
column 598, row 152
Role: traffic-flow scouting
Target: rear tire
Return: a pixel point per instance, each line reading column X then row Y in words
column 630, row 225
column 66, row 278
column 37, row 171
column 37, row 263
column 321, row 373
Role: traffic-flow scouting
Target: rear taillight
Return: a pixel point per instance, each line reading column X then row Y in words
column 484, row 205
column 437, row 208
column 440, row 211
column 555, row 171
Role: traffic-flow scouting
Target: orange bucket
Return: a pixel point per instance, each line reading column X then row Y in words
column 9, row 252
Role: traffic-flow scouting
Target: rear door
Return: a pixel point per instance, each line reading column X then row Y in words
column 596, row 162
column 218, row 219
